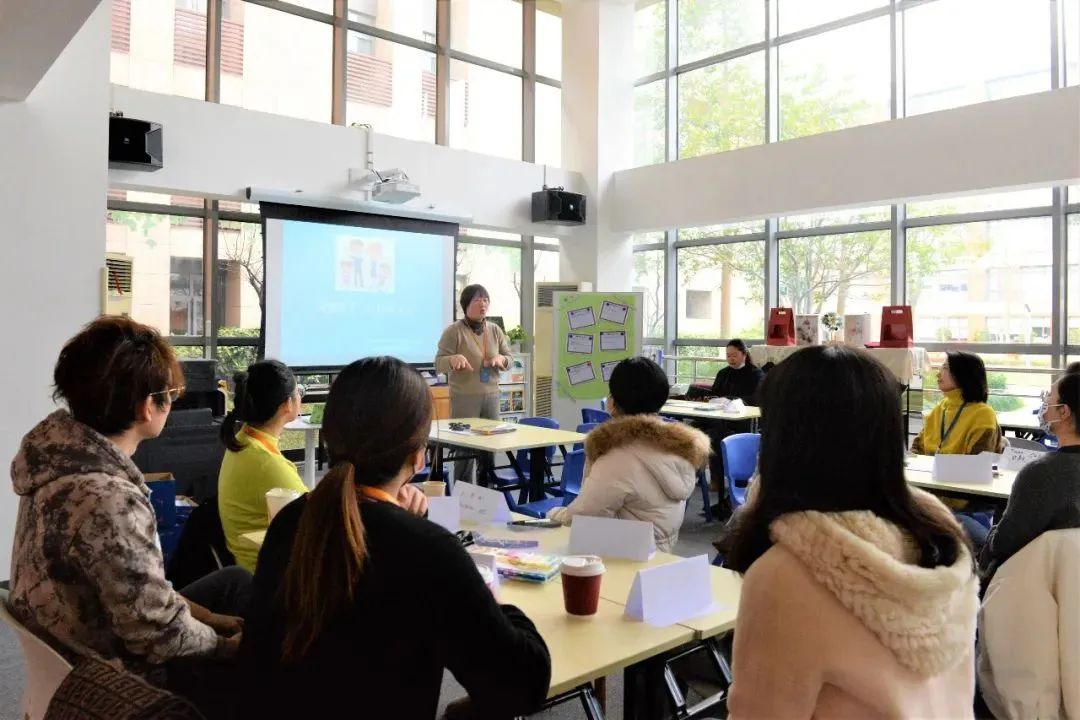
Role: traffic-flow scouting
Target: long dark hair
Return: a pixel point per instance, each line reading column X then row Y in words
column 1068, row 387
column 969, row 372
column 377, row 415
column 741, row 347
column 257, row 395
column 832, row 440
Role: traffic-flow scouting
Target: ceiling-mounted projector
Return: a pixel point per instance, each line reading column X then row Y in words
column 388, row 186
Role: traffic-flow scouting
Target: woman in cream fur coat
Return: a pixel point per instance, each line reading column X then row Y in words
column 859, row 597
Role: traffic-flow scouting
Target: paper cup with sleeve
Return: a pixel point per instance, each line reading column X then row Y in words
column 581, row 576
column 276, row 499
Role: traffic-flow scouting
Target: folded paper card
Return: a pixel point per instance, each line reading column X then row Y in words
column 1016, row 458
column 611, row 538
column 965, row 469
column 488, row 566
column 670, row 593
column 445, row 511
column 480, row 505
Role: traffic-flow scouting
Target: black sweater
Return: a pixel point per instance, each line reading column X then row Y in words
column 742, row 383
column 420, row 607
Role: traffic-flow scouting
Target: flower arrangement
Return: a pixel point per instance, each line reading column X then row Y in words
column 832, row 321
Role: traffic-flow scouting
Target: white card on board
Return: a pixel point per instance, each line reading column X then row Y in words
column 965, row 469
column 480, row 505
column 445, row 511
column 611, row 538
column 670, row 593
column 1016, row 458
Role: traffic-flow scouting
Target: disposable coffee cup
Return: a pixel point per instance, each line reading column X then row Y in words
column 581, row 576
column 489, row 579
column 433, row 488
column 276, row 499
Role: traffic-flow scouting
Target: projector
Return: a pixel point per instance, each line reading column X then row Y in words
column 394, row 191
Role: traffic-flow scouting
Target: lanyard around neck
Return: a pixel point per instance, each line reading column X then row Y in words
column 374, row 494
column 261, row 440
column 945, row 433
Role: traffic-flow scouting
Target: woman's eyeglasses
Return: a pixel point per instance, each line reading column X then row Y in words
column 173, row 393
column 301, row 390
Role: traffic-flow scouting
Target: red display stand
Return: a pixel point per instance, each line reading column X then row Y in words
column 897, row 330
column 781, row 330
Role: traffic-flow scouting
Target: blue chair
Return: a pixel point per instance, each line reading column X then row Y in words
column 592, row 415
column 584, row 429
column 507, row 476
column 740, row 453
column 569, row 487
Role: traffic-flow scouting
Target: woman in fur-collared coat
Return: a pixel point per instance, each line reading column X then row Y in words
column 637, row 466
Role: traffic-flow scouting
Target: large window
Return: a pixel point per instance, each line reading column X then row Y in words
column 649, row 123
column 722, row 107
column 649, row 281
column 412, row 18
column 796, row 15
column 721, row 291
column 1039, row 197
column 390, row 87
column 159, row 45
column 548, row 125
column 485, row 28
column 649, row 36
column 981, row 282
column 711, row 27
column 485, row 110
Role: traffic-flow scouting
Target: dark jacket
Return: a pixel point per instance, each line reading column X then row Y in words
column 421, row 607
column 742, row 383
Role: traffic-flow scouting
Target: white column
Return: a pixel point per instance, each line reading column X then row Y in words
column 597, row 133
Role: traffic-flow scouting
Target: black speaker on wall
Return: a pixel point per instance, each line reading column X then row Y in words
column 134, row 144
column 558, row 207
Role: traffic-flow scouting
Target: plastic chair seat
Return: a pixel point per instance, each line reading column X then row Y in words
column 540, row 508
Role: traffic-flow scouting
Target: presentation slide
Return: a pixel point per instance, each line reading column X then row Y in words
column 336, row 293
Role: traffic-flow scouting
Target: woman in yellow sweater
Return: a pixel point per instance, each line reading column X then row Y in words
column 266, row 398
column 963, row 423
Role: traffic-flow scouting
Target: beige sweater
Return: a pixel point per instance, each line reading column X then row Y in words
column 837, row 620
column 459, row 339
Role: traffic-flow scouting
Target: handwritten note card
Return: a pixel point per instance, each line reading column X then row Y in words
column 480, row 505
column 581, row 373
column 579, row 343
column 582, row 317
column 614, row 312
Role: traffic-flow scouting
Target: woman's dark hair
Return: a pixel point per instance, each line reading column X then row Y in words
column 470, row 293
column 1073, row 367
column 1068, row 387
column 638, row 386
column 969, row 372
column 832, row 440
column 741, row 347
column 378, row 414
column 106, row 371
column 257, row 394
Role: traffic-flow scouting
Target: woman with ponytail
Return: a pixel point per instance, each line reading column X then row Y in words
column 362, row 603
column 265, row 399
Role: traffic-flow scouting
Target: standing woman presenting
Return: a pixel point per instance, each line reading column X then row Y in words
column 471, row 353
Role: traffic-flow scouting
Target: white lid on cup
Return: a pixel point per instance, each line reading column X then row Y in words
column 582, row 565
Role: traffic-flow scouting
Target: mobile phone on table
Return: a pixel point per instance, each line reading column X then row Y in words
column 534, row 523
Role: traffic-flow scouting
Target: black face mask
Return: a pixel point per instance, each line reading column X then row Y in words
column 477, row 327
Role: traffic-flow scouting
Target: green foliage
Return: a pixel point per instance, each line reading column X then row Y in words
column 516, row 334
column 234, row 358
column 1005, row 403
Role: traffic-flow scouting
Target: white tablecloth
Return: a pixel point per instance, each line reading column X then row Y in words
column 904, row 363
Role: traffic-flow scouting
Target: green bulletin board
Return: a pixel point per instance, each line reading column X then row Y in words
column 594, row 331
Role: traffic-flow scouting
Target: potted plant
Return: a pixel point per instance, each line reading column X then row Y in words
column 516, row 336
column 832, row 322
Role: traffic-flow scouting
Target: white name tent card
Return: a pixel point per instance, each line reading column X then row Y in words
column 966, row 469
column 670, row 593
column 1016, row 458
column 611, row 538
column 486, row 560
column 480, row 505
column 445, row 511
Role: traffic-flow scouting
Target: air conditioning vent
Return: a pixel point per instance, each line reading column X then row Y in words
column 119, row 269
column 542, row 397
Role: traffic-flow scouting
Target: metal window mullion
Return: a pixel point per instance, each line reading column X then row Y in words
column 528, row 83
column 771, row 269
column 296, row 10
column 671, row 85
column 1059, row 287
column 484, row 62
column 544, row 80
column 834, row 25
column 772, row 74
column 833, row 230
column 652, row 77
column 213, row 51
column 719, row 240
column 237, row 216
column 671, row 292
column 390, row 36
column 898, row 258
column 650, row 246
column 898, row 88
column 490, row 242
column 990, row 348
column 155, row 209
column 1057, row 45
column 528, row 288
column 339, row 45
column 987, row 216
column 210, row 227
column 442, row 73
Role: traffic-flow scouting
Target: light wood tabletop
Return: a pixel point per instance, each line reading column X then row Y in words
column 1000, row 488
column 524, row 437
column 707, row 411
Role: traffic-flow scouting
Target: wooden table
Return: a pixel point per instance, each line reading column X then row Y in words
column 525, row 437
column 708, row 411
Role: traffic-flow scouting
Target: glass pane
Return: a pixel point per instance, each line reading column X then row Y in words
column 415, row 18
column 490, row 29
column 649, row 123
column 1039, row 197
column 1073, row 194
column 390, row 87
column 236, row 358
column 548, row 125
column 498, row 269
column 1072, row 42
column 167, row 269
column 795, row 15
column 238, row 286
column 545, row 266
column 549, row 39
column 846, row 274
column 493, row 234
column 648, row 238
column 959, row 52
column 185, row 352
column 1014, row 394
column 711, row 27
column 721, row 292
column 836, row 217
column 836, row 80
column 981, row 282
column 650, row 27
column 722, row 107
column 1073, row 287
column 649, row 280
column 281, row 63
column 180, row 201
column 159, row 45
column 727, row 230
column 485, row 110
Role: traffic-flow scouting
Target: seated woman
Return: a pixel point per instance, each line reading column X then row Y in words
column 1046, row 494
column 361, row 602
column 266, row 398
column 87, row 571
column 963, row 423
column 637, row 466
column 859, row 594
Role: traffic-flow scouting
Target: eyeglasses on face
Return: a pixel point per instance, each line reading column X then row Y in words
column 301, row 390
column 174, row 393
